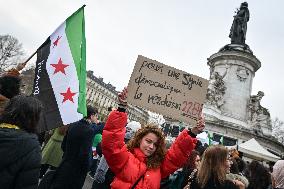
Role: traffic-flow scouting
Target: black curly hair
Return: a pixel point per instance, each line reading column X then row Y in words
column 10, row 86
column 258, row 176
column 22, row 111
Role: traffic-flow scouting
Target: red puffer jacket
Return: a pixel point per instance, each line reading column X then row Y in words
column 128, row 167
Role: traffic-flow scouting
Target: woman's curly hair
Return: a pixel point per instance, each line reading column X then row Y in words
column 155, row 160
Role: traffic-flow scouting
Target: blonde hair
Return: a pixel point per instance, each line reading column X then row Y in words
column 213, row 165
column 155, row 160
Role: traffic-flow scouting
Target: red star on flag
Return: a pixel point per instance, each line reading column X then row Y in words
column 55, row 43
column 59, row 67
column 68, row 95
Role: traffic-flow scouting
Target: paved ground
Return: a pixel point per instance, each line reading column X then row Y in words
column 88, row 183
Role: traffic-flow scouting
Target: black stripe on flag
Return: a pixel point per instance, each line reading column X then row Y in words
column 43, row 90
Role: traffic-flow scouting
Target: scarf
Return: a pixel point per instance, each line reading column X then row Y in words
column 8, row 126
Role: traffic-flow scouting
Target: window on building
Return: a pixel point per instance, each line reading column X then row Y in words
column 227, row 141
column 175, row 131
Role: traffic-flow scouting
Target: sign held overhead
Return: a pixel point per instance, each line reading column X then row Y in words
column 167, row 90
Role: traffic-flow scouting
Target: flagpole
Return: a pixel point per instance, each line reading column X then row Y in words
column 22, row 65
column 29, row 58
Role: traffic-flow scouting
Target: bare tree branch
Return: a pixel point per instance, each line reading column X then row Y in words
column 10, row 51
column 278, row 129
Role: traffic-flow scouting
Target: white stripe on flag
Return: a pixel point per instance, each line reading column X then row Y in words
column 59, row 81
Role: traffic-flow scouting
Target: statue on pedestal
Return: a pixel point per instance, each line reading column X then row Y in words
column 254, row 106
column 216, row 89
column 258, row 116
column 239, row 26
column 263, row 118
column 238, row 31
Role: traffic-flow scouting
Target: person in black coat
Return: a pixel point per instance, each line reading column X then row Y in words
column 76, row 146
column 19, row 147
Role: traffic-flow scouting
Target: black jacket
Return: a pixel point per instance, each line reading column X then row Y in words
column 211, row 184
column 76, row 146
column 98, row 128
column 20, row 158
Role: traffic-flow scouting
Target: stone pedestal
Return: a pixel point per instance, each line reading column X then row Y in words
column 229, row 100
column 237, row 68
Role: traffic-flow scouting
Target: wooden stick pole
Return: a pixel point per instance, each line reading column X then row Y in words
column 22, row 65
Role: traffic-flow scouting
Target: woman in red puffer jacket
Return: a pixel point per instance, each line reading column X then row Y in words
column 144, row 161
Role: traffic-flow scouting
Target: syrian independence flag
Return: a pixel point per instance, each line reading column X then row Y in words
column 60, row 75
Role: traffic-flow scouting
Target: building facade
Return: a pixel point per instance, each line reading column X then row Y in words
column 104, row 95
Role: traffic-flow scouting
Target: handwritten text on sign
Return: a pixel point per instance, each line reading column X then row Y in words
column 166, row 90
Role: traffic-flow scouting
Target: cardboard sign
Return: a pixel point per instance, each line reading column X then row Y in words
column 166, row 90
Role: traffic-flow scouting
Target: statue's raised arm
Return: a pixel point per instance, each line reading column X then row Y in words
column 239, row 26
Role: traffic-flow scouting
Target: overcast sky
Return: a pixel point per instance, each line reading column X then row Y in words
column 179, row 33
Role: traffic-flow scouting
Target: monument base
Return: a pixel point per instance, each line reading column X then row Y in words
column 236, row 47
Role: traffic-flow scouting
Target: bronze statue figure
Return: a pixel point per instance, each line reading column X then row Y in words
column 239, row 26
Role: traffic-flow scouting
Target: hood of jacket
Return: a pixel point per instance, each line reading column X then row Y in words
column 14, row 144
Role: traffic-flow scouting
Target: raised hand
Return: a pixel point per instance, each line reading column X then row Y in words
column 199, row 126
column 239, row 184
column 21, row 66
column 122, row 96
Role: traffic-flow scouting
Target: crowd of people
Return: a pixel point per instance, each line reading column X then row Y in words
column 117, row 154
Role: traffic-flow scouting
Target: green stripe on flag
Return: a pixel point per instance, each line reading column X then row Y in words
column 75, row 32
column 210, row 137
